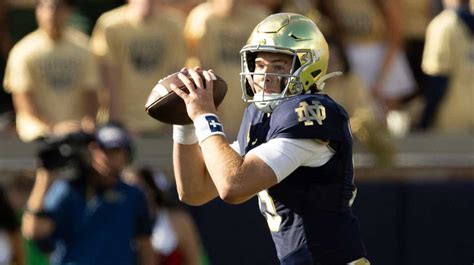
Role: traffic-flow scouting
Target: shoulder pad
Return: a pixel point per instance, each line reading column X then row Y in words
column 308, row 117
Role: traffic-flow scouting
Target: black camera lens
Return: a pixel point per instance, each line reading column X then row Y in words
column 55, row 157
column 61, row 152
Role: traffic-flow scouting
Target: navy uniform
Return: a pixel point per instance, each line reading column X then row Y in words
column 302, row 136
column 309, row 212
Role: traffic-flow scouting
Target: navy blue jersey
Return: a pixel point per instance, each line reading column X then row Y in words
column 99, row 231
column 309, row 212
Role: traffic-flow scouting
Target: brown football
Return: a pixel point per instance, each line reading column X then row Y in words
column 164, row 105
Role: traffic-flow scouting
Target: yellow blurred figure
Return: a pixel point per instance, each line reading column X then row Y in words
column 137, row 44
column 215, row 32
column 449, row 56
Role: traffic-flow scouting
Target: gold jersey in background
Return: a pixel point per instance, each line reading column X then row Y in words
column 56, row 74
column 361, row 21
column 215, row 43
column 141, row 52
column 449, row 51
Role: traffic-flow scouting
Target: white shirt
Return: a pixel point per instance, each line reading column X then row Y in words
column 284, row 155
column 163, row 238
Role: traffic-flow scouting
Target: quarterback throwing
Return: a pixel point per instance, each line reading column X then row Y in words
column 293, row 150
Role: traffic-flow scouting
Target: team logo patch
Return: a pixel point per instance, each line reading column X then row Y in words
column 214, row 124
column 308, row 113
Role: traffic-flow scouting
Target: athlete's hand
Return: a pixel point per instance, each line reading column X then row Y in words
column 200, row 99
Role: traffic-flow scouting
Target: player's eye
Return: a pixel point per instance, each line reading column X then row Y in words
column 280, row 68
column 259, row 67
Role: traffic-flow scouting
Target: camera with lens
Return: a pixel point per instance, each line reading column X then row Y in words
column 67, row 154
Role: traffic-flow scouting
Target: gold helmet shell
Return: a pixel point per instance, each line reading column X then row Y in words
column 292, row 34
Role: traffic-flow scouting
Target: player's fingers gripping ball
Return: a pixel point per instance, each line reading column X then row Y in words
column 165, row 105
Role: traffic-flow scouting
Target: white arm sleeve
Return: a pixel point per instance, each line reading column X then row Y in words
column 285, row 155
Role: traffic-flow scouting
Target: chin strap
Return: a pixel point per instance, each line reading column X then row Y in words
column 320, row 83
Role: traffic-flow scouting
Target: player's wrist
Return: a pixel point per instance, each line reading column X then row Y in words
column 184, row 134
column 207, row 125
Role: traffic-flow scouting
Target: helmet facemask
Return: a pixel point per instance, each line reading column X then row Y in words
column 290, row 83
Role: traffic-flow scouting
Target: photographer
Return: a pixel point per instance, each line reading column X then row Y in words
column 90, row 217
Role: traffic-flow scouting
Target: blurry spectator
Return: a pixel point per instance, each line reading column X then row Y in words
column 11, row 249
column 51, row 75
column 90, row 217
column 371, row 35
column 183, row 7
column 175, row 238
column 18, row 190
column 215, row 32
column 448, row 59
column 416, row 16
column 352, row 95
column 348, row 89
column 137, row 44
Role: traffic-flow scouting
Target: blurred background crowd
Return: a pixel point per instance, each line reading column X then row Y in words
column 71, row 65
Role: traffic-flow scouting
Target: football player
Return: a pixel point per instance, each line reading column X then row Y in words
column 294, row 147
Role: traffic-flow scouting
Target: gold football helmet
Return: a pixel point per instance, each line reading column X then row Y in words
column 291, row 34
